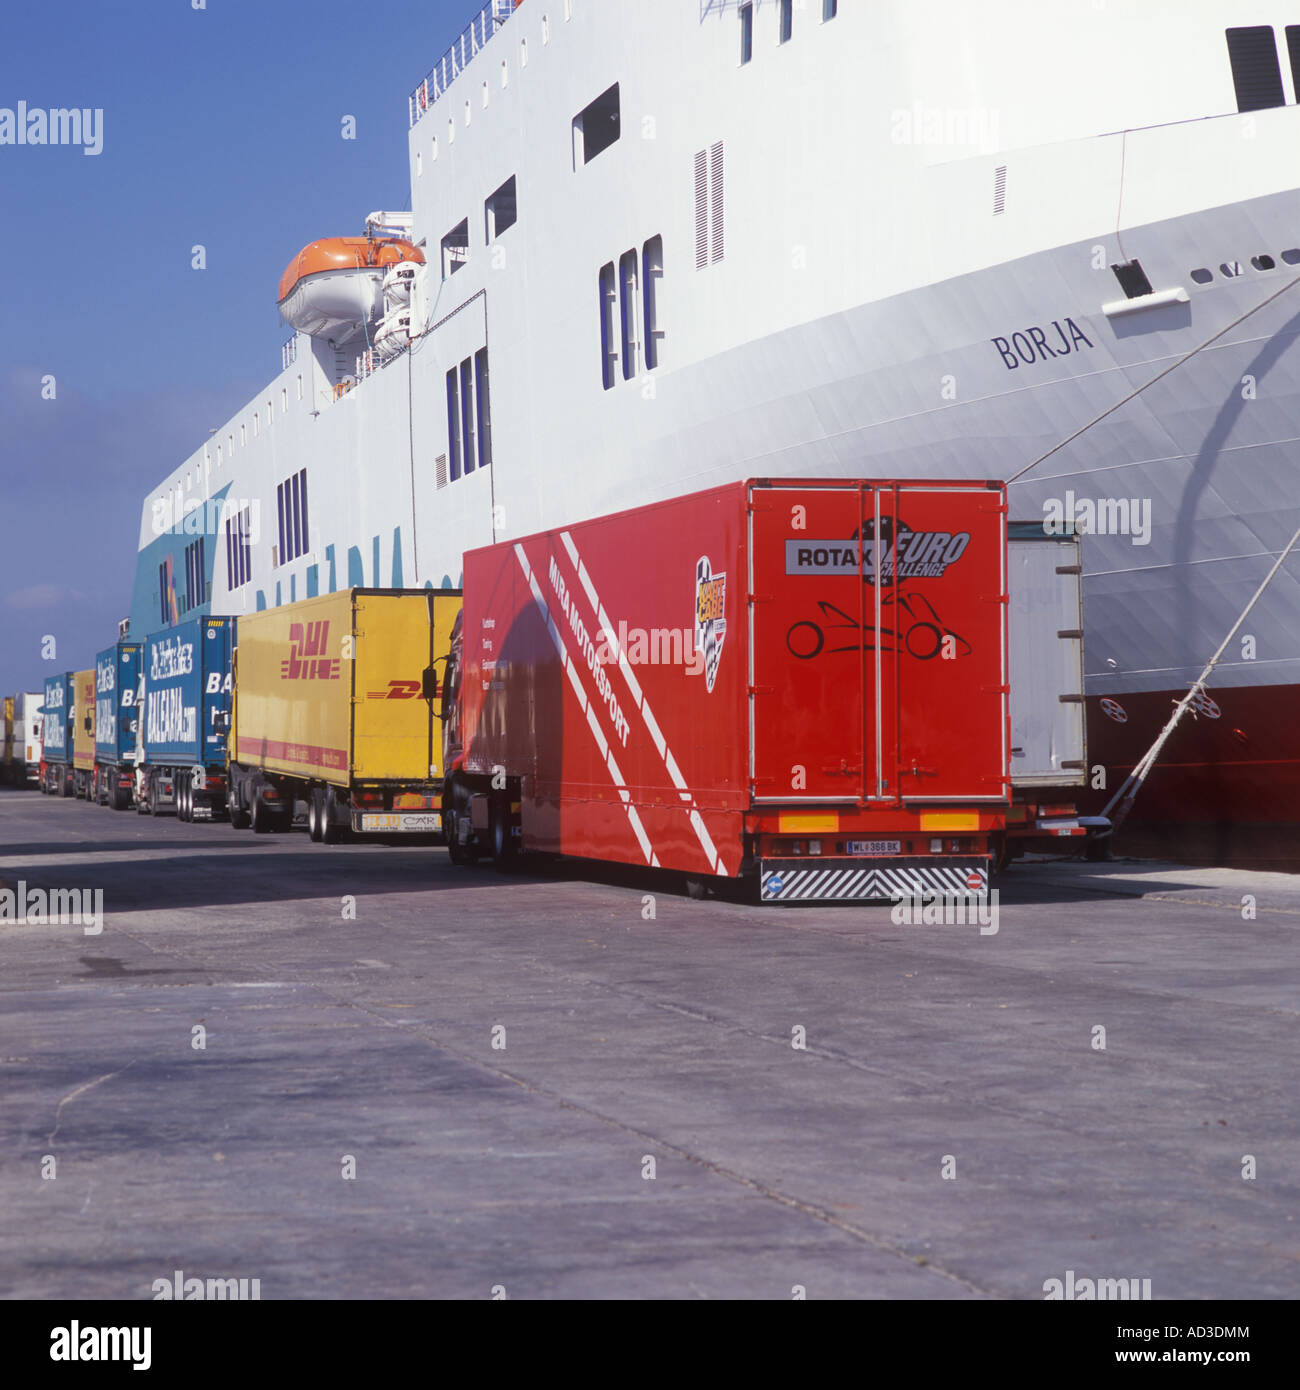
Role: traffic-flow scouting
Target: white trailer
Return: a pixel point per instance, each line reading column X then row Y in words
column 1049, row 763
column 27, row 738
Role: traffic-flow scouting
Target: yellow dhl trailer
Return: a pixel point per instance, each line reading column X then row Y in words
column 83, row 733
column 336, row 707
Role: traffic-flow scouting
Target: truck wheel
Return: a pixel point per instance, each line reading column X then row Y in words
column 261, row 816
column 239, row 817
column 331, row 831
column 118, row 798
column 182, row 791
column 316, row 815
column 503, row 842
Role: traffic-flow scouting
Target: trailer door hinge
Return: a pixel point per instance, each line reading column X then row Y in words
column 1070, row 699
column 1069, row 569
column 1072, row 632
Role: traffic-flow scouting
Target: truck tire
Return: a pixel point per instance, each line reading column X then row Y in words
column 331, row 831
column 142, row 799
column 316, row 815
column 119, row 799
column 455, row 808
column 260, row 819
column 239, row 817
column 503, row 841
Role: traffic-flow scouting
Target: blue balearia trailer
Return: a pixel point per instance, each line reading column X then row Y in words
column 117, row 673
column 56, row 754
column 183, row 720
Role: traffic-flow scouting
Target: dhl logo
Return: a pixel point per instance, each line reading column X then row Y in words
column 711, row 599
column 306, row 660
column 398, row 690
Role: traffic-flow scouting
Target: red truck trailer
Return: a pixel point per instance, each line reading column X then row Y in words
column 799, row 682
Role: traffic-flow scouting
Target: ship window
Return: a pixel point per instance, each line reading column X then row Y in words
column 786, row 21
column 468, row 431
column 291, row 509
column 455, row 249
column 486, row 97
column 652, row 272
column 257, row 424
column 419, row 165
column 1256, row 71
column 1132, row 279
column 1292, row 256
column 596, row 127
column 1230, row 269
column 433, row 151
column 270, row 414
column 1263, row 262
column 1293, row 48
column 243, row 436
column 162, row 593
column 195, row 570
column 230, row 444
column 1202, row 276
column 629, row 306
column 546, row 29
column 284, row 402
column 502, row 210
column 453, row 421
column 469, row 111
column 451, row 131
column 239, row 565
column 300, row 386
column 483, row 404
column 523, row 53
column 218, row 455
column 830, row 8
column 608, row 350
column 716, row 172
column 746, row 34
column 505, row 73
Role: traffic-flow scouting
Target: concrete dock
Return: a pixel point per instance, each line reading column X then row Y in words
column 358, row 1072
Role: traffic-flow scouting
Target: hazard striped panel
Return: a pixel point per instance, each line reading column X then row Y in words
column 840, row 880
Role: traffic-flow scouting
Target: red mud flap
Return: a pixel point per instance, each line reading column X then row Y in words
column 881, row 880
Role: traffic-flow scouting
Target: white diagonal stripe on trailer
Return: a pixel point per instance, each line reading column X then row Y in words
column 652, row 724
column 634, row 820
column 814, row 878
column 831, row 887
column 859, row 882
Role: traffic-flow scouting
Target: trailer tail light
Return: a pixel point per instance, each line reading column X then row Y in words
column 270, row 793
column 370, row 800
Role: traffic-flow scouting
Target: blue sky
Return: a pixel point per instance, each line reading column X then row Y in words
column 221, row 127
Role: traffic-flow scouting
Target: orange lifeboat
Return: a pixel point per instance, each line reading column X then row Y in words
column 335, row 286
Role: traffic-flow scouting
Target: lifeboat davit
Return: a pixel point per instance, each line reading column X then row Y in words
column 334, row 286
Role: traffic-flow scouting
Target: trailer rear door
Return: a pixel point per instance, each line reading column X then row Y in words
column 877, row 643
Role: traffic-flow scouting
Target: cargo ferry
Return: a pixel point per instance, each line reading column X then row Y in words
column 655, row 248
